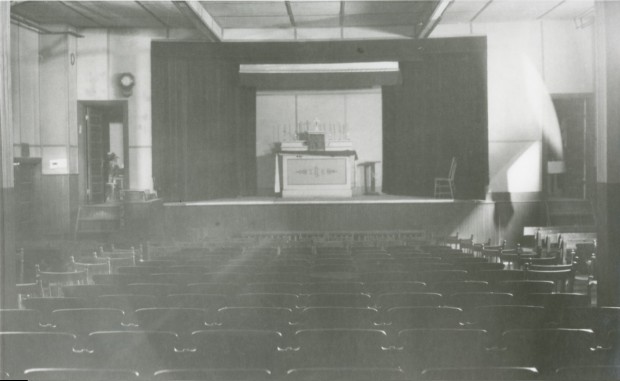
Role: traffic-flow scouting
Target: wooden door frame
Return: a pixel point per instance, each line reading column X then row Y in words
column 589, row 127
column 82, row 157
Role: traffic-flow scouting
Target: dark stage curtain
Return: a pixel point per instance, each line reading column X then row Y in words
column 438, row 112
column 204, row 136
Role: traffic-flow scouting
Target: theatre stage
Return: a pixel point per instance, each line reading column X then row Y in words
column 225, row 217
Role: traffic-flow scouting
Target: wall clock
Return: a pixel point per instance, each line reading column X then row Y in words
column 126, row 81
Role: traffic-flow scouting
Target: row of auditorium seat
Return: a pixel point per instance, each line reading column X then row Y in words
column 495, row 319
column 429, row 276
column 309, row 314
column 184, row 284
column 573, row 373
column 382, row 302
column 414, row 349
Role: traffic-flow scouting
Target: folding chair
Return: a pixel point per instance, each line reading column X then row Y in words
column 409, row 299
column 45, row 306
column 384, row 276
column 499, row 318
column 334, row 287
column 159, row 290
column 266, row 300
column 125, row 302
column 559, row 301
column 120, row 279
column 338, row 317
column 521, row 289
column 53, row 281
column 210, row 302
column 602, row 320
column 256, row 318
column 336, row 300
column 89, row 291
column 345, row 374
column 237, row 374
column 494, row 277
column 20, row 320
column 480, row 373
column 386, row 287
column 91, row 266
column 453, row 287
column 223, row 288
column 80, row 374
column 437, row 276
column 138, row 270
column 339, row 347
column 591, row 373
column 235, row 349
column 28, row 290
column 143, row 351
column 178, row 320
column 470, row 300
column 82, row 321
column 548, row 349
column 400, row 318
column 275, row 287
column 181, row 280
column 435, row 348
column 25, row 350
column 563, row 278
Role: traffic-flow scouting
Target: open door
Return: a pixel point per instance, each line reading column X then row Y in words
column 571, row 178
column 103, row 151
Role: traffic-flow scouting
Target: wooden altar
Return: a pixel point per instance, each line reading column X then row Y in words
column 315, row 173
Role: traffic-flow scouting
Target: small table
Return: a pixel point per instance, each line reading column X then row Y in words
column 369, row 175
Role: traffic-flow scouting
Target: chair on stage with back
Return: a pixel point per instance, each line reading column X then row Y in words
column 444, row 186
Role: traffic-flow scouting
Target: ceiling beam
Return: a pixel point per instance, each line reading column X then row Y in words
column 434, row 18
column 341, row 19
column 82, row 12
column 485, row 6
column 202, row 20
column 291, row 17
column 550, row 10
column 152, row 14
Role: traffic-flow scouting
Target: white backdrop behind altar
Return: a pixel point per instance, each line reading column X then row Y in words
column 278, row 111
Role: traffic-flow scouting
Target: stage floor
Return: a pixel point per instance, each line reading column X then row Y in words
column 360, row 199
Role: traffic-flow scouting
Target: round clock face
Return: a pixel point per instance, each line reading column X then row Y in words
column 126, row 80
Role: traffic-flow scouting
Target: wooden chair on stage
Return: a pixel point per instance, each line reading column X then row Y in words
column 444, row 186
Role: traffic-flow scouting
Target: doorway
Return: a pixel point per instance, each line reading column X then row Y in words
column 573, row 177
column 103, row 150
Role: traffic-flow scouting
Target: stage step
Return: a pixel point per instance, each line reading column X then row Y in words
column 570, row 212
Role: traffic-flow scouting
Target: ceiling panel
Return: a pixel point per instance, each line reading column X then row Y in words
column 376, row 7
column 245, row 8
column 315, row 8
column 254, row 22
column 515, row 10
column 461, row 11
column 168, row 13
column 384, row 19
column 117, row 13
column 570, row 9
column 317, row 21
column 52, row 13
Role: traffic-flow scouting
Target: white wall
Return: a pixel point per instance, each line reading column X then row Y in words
column 360, row 110
column 102, row 55
column 527, row 63
column 25, row 89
